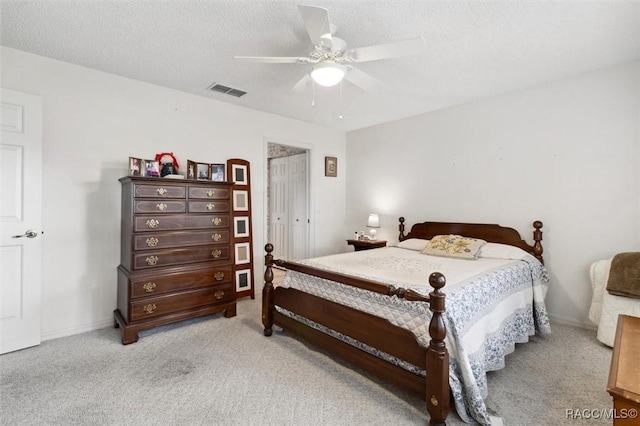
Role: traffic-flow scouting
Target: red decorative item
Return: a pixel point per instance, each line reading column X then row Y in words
column 174, row 160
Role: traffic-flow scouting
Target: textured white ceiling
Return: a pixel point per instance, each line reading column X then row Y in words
column 475, row 49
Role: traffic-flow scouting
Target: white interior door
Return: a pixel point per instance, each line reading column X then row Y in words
column 20, row 220
column 278, row 209
column 299, row 213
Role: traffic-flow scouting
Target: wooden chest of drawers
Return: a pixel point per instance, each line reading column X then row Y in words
column 176, row 258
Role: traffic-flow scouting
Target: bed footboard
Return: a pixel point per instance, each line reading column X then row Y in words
column 367, row 328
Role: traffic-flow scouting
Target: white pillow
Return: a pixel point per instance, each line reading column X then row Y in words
column 416, row 244
column 502, row 251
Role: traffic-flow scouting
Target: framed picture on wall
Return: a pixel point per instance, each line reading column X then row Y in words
column 243, row 253
column 243, row 279
column 217, row 172
column 240, row 200
column 331, row 166
column 241, row 226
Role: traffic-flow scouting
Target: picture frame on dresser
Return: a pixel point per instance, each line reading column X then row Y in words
column 150, row 168
column 202, row 171
column 217, row 172
column 191, row 169
column 135, row 166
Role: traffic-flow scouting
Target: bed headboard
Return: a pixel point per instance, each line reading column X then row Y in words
column 488, row 232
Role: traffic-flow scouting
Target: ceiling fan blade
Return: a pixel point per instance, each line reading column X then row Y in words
column 300, row 85
column 366, row 82
column 316, row 20
column 414, row 46
column 274, row 59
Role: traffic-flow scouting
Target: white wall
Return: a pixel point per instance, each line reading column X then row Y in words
column 93, row 122
column 566, row 153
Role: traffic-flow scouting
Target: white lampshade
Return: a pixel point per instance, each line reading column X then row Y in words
column 373, row 222
column 328, row 73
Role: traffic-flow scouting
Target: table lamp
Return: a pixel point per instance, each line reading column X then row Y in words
column 373, row 222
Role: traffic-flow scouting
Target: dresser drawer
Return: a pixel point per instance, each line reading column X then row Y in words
column 158, row 240
column 158, row 206
column 167, row 283
column 208, row 206
column 159, row 191
column 169, row 303
column 179, row 222
column 159, row 258
column 216, row 193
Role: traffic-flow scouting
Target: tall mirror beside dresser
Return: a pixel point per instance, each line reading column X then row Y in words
column 175, row 260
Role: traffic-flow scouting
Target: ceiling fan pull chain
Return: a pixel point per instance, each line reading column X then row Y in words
column 313, row 93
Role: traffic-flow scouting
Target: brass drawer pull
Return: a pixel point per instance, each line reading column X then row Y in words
column 161, row 206
column 149, row 287
column 211, row 192
column 161, row 191
column 149, row 308
column 216, row 237
column 219, row 276
column 216, row 221
column 152, row 260
column 210, row 206
column 218, row 294
column 152, row 242
column 152, row 223
column 216, row 253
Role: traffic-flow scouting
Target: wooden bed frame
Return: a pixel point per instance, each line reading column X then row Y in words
column 377, row 332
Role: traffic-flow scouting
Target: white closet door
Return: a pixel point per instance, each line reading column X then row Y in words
column 299, row 217
column 279, row 202
column 20, row 220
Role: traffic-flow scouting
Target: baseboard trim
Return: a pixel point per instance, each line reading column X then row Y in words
column 70, row 331
column 572, row 322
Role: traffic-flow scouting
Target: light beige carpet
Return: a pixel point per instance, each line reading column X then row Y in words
column 217, row 370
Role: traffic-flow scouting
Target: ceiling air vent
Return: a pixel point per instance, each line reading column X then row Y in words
column 226, row 90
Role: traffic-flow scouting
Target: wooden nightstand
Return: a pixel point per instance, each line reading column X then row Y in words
column 624, row 376
column 366, row 244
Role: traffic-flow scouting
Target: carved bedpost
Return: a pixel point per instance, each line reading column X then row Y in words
column 401, row 229
column 537, row 237
column 267, row 292
column 437, row 362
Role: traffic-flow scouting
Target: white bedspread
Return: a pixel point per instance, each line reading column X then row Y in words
column 605, row 307
column 491, row 304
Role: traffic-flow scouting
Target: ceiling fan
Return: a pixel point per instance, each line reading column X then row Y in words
column 331, row 58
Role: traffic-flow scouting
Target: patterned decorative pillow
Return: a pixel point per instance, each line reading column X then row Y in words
column 454, row 246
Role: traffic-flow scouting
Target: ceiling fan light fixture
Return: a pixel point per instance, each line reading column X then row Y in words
column 328, row 73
